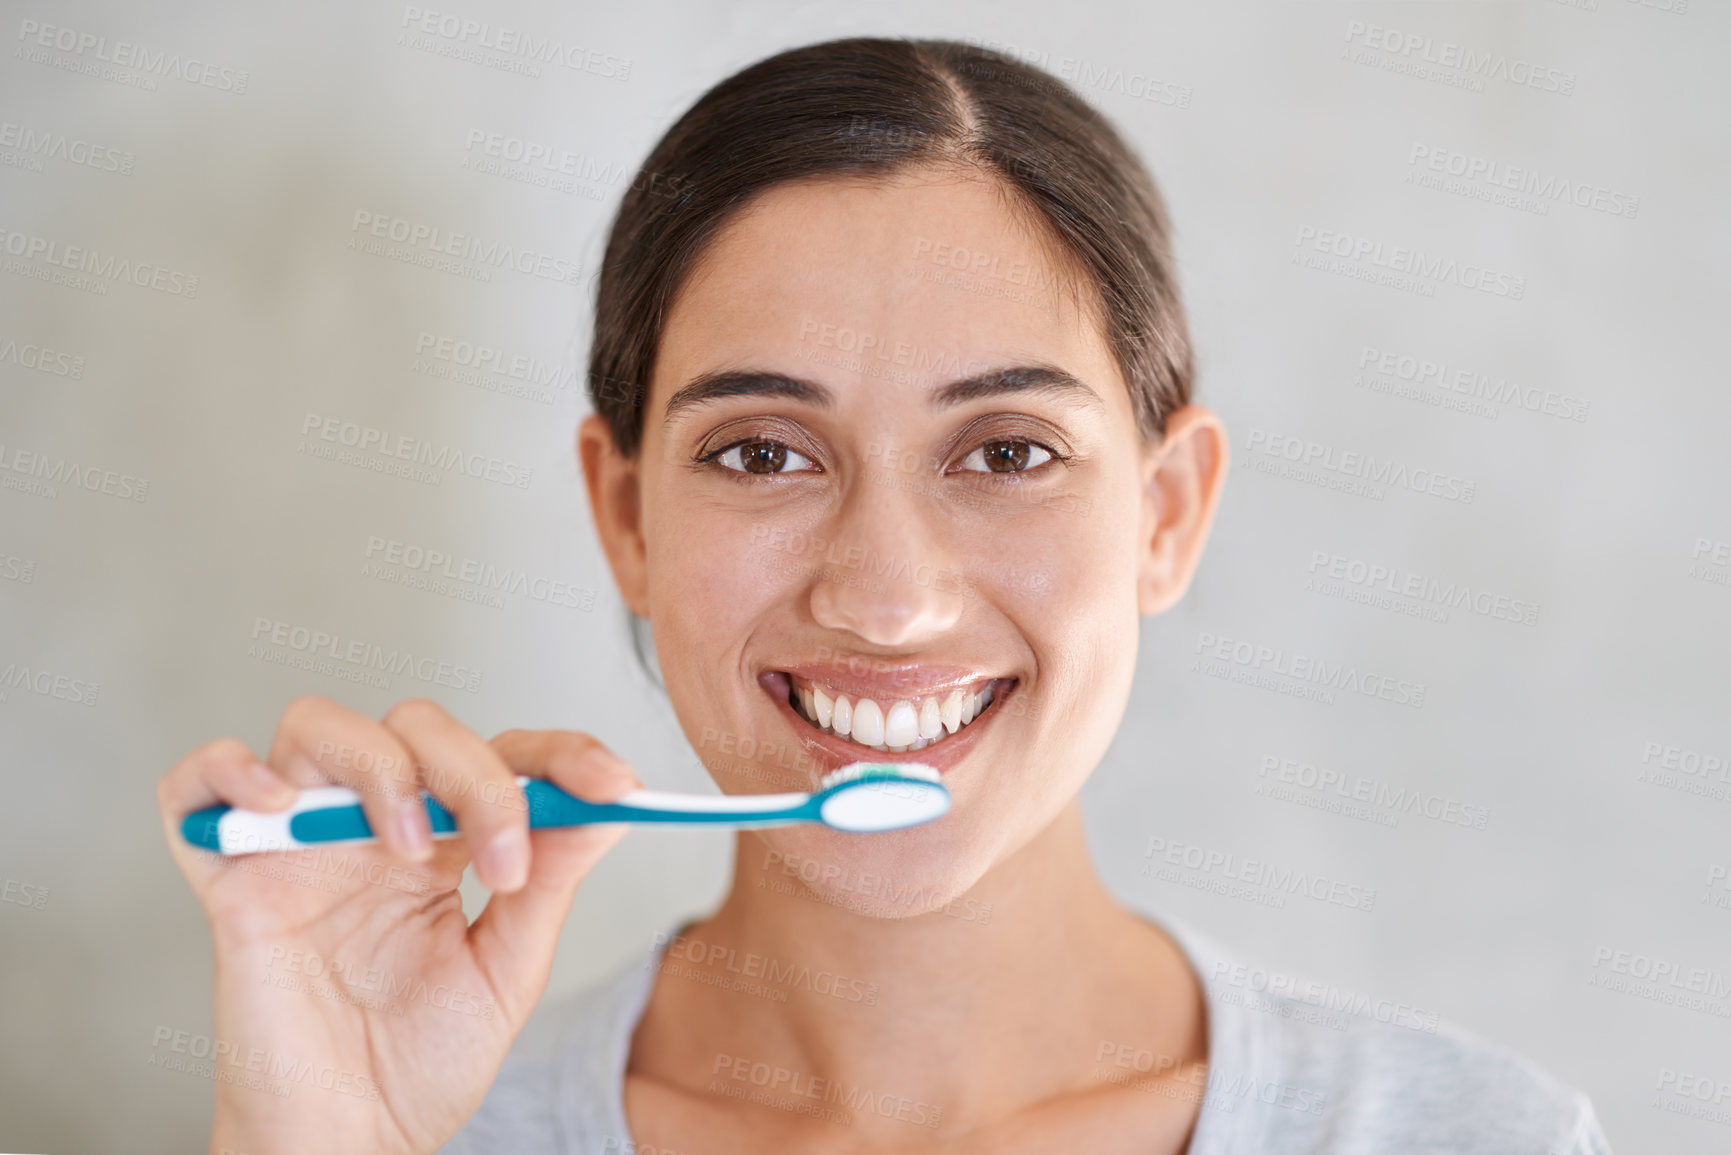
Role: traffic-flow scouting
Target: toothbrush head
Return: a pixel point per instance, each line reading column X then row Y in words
column 866, row 797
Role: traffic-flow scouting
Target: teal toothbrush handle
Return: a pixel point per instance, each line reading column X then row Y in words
column 329, row 814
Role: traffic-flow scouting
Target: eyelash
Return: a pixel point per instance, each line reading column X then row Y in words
column 715, row 455
column 721, row 453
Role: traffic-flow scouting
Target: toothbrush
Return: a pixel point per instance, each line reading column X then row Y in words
column 862, row 798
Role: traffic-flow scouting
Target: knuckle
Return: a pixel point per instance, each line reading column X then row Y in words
column 415, row 712
column 590, row 762
column 302, row 711
column 230, row 750
column 575, row 742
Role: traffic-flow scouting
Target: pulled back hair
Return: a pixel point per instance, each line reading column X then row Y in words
column 864, row 107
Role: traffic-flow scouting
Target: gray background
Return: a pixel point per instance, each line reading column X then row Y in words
column 1267, row 120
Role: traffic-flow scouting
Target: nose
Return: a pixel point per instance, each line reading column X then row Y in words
column 904, row 593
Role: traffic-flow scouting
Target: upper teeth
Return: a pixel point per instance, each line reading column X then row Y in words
column 906, row 724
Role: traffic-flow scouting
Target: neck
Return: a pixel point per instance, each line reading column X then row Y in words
column 1006, row 997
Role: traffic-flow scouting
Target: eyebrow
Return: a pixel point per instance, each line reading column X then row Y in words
column 1015, row 379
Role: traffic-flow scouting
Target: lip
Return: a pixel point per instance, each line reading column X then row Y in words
column 832, row 752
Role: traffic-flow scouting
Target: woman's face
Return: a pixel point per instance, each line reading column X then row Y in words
column 890, row 480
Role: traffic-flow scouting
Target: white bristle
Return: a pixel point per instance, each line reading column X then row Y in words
column 855, row 769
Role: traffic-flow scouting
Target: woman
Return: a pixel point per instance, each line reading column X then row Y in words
column 913, row 450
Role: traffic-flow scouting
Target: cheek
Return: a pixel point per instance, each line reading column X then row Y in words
column 715, row 578
column 703, row 595
column 710, row 576
column 1057, row 570
column 1069, row 586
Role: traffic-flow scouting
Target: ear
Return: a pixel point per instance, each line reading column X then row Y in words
column 614, row 502
column 1181, row 482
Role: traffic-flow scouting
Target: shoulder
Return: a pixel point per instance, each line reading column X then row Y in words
column 1386, row 1087
column 1297, row 1065
column 559, row 1089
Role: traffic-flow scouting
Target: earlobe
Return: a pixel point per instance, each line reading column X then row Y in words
column 613, row 482
column 1182, row 481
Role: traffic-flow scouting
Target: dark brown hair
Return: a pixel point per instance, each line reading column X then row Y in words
column 864, row 107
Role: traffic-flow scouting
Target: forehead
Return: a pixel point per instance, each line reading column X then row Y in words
column 923, row 277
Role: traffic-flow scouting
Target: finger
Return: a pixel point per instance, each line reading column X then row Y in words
column 319, row 741
column 220, row 772
column 517, row 934
column 474, row 784
column 223, row 771
column 576, row 763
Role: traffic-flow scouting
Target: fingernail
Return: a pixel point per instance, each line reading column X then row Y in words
column 413, row 833
column 506, row 860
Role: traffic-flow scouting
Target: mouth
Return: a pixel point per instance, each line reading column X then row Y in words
column 847, row 720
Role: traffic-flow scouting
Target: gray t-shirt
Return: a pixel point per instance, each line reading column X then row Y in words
column 1292, row 1067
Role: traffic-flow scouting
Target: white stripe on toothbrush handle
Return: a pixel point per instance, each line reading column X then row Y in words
column 670, row 802
column 252, row 831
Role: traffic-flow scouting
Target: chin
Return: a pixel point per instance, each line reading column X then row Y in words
column 923, row 870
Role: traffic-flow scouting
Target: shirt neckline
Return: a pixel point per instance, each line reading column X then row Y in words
column 1233, row 1042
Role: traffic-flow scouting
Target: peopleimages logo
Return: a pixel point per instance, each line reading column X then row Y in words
column 863, row 348
column 37, row 680
column 40, row 358
column 431, row 241
column 1301, row 670
column 778, row 972
column 125, row 54
column 389, row 559
column 1352, row 471
column 391, row 448
column 1254, row 872
column 302, row 647
column 1409, row 51
column 39, row 144
column 491, row 153
column 1661, row 979
column 269, row 1070
column 797, row 1091
column 1396, row 800
column 1399, row 266
column 1083, row 75
column 1281, row 985
column 45, row 473
column 81, row 259
column 1437, row 373
column 348, row 980
column 528, row 49
column 848, row 885
column 1375, row 578
column 453, row 358
column 1544, row 187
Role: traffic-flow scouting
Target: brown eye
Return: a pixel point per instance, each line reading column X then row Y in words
column 1006, row 457
column 762, row 457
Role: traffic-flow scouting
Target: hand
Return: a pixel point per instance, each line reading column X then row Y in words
column 348, row 975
